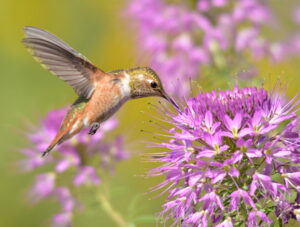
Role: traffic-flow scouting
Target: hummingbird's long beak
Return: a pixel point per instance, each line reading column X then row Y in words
column 169, row 99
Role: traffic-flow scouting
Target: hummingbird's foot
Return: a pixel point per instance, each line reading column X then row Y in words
column 94, row 128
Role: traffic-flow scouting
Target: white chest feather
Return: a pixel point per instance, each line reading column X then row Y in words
column 125, row 86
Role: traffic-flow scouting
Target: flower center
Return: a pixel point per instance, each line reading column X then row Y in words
column 235, row 133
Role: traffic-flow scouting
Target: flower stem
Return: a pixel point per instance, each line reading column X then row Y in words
column 114, row 215
column 280, row 222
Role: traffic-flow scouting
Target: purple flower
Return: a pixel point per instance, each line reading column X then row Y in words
column 65, row 198
column 254, row 216
column 234, row 125
column 233, row 158
column 43, row 187
column 226, row 223
column 86, row 175
column 210, row 201
column 62, row 220
column 239, row 195
column 183, row 38
column 215, row 146
column 297, row 15
column 74, row 163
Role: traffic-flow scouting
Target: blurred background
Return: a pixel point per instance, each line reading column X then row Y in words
column 100, row 30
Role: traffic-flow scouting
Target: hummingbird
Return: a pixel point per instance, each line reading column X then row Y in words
column 100, row 94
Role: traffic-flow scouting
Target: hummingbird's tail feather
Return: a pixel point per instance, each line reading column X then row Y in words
column 56, row 141
column 65, row 133
column 47, row 151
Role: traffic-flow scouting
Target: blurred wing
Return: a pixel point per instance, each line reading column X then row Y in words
column 62, row 60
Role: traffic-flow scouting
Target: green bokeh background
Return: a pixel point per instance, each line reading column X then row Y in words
column 99, row 30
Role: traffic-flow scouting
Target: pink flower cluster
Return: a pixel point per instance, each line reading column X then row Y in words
column 75, row 163
column 233, row 159
column 182, row 37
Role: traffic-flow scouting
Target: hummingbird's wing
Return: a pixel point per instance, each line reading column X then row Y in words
column 62, row 60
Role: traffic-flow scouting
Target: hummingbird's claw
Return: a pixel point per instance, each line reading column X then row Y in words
column 94, row 128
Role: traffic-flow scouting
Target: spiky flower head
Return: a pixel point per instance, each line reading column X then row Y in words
column 234, row 159
column 75, row 163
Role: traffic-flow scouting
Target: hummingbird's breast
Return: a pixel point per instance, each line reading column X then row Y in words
column 111, row 92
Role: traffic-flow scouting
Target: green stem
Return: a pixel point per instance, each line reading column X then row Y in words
column 114, row 215
column 280, row 222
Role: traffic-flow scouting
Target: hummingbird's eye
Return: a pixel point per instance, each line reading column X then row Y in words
column 153, row 84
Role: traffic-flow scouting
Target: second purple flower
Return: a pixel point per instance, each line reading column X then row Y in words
column 73, row 164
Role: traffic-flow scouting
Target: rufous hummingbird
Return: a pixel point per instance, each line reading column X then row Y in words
column 100, row 93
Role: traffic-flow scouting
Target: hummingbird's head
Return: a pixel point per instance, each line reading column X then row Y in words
column 144, row 82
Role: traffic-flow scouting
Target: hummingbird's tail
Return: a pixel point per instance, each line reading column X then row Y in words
column 50, row 148
column 70, row 126
column 56, row 141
